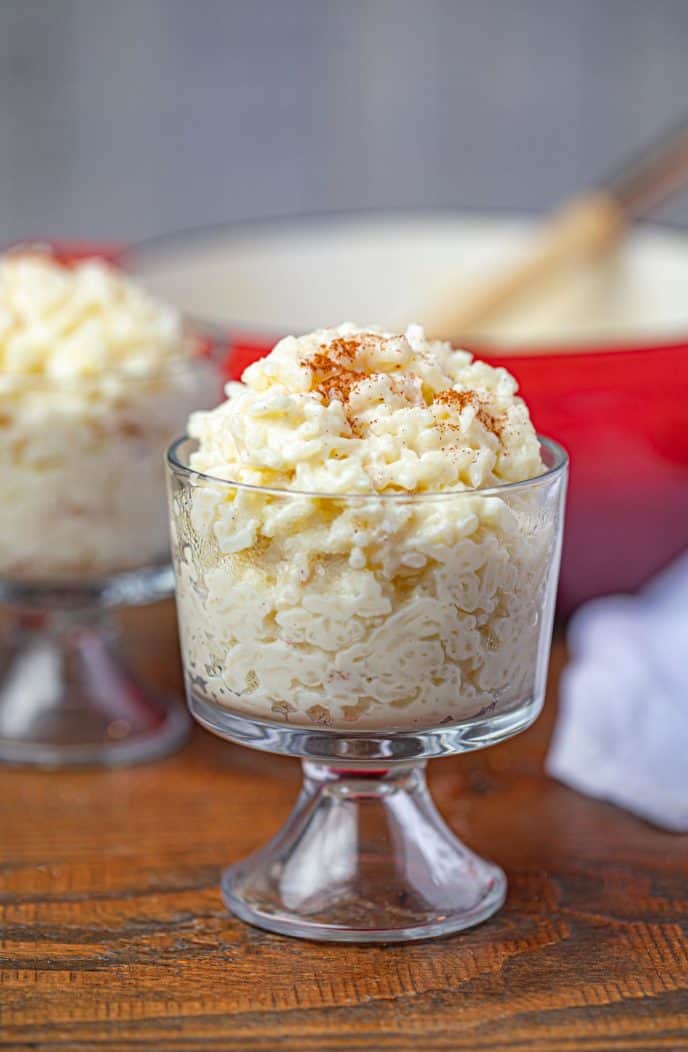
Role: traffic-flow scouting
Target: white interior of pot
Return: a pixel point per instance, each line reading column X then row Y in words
column 391, row 269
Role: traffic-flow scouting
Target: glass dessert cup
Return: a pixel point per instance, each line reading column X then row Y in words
column 83, row 531
column 452, row 658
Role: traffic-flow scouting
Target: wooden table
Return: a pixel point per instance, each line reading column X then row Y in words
column 114, row 935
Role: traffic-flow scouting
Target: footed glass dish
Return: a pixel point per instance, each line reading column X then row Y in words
column 365, row 635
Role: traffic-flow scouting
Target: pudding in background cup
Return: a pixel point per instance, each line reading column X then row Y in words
column 95, row 377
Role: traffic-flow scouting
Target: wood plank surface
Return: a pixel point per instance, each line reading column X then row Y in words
column 113, row 934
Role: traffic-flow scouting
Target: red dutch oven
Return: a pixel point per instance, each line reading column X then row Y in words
column 605, row 372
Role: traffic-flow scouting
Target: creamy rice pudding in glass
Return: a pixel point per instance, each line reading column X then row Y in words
column 366, row 537
column 95, row 377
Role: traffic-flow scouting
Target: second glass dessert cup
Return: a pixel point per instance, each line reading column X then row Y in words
column 365, row 634
column 83, row 531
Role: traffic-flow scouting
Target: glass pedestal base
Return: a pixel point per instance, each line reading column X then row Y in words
column 66, row 696
column 364, row 857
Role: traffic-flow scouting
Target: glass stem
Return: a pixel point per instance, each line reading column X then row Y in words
column 67, row 697
column 364, row 856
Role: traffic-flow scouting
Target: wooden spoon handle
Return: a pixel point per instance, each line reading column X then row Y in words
column 583, row 228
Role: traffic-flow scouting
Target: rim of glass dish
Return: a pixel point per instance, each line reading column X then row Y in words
column 561, row 460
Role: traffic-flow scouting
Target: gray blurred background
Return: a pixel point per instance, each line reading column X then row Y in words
column 127, row 118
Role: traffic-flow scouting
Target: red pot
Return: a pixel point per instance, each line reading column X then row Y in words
column 618, row 402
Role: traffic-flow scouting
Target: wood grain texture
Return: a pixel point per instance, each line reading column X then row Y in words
column 113, row 934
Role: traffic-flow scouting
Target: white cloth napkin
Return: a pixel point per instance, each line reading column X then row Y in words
column 622, row 731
